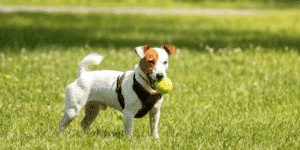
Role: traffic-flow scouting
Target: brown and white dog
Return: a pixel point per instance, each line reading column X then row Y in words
column 132, row 92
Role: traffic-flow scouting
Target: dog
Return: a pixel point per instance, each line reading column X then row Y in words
column 132, row 92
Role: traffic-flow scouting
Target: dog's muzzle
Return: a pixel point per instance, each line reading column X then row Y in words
column 159, row 77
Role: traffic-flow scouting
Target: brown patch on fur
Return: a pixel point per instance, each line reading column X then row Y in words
column 150, row 55
column 170, row 49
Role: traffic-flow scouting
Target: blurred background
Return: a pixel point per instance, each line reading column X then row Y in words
column 244, row 4
column 218, row 23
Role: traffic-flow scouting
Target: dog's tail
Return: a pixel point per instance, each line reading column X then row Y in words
column 91, row 59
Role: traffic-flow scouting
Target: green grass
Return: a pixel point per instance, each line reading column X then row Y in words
column 224, row 4
column 236, row 79
column 228, row 98
column 34, row 30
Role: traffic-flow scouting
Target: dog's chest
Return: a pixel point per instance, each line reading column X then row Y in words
column 148, row 100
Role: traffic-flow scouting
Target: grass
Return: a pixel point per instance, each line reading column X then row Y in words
column 221, row 99
column 236, row 80
column 34, row 30
column 223, row 4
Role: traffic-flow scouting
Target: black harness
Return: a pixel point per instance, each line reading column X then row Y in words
column 148, row 99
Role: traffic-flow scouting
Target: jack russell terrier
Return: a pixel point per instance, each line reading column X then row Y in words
column 132, row 92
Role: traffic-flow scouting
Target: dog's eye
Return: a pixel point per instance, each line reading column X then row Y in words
column 151, row 62
column 165, row 62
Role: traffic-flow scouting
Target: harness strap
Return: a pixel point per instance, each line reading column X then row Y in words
column 119, row 90
column 147, row 99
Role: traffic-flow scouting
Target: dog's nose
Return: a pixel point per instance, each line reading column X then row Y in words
column 159, row 76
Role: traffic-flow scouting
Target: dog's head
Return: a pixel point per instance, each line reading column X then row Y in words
column 154, row 61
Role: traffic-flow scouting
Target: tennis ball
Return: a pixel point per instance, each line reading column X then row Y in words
column 164, row 86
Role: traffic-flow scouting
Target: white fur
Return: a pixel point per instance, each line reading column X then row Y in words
column 95, row 90
column 139, row 50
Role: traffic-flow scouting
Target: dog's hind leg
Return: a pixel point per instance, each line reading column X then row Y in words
column 92, row 109
column 75, row 100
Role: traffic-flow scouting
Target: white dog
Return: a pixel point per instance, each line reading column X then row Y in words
column 131, row 92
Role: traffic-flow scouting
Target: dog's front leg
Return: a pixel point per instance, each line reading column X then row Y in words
column 154, row 118
column 128, row 122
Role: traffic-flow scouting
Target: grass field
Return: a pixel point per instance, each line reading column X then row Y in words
column 236, row 80
column 34, row 30
column 223, row 99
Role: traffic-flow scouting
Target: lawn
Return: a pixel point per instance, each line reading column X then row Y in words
column 236, row 80
column 34, row 30
column 230, row 98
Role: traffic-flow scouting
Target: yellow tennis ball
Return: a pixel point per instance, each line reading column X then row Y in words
column 164, row 86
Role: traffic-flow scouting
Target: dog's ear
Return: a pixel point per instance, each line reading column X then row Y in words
column 170, row 49
column 141, row 50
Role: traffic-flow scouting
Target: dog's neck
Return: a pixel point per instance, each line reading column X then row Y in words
column 142, row 78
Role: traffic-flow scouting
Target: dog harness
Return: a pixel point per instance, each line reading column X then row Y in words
column 148, row 99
